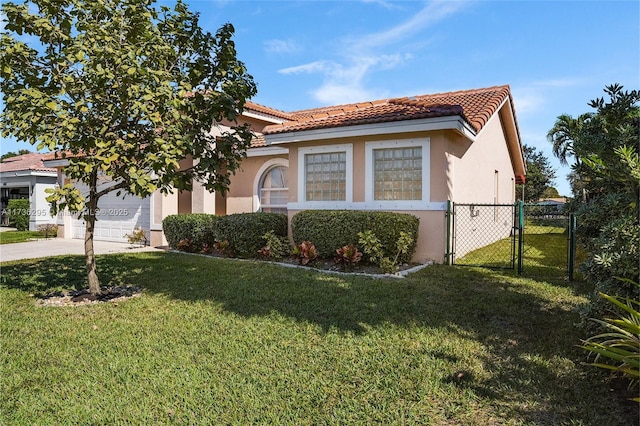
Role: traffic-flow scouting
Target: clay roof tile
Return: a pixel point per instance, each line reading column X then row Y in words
column 474, row 106
column 26, row 162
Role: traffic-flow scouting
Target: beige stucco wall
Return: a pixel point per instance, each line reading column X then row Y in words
column 439, row 175
column 475, row 166
column 483, row 174
column 242, row 196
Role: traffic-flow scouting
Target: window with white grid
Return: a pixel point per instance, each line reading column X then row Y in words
column 274, row 190
column 326, row 174
column 397, row 172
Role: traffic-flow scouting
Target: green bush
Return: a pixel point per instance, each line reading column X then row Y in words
column 197, row 228
column 609, row 232
column 332, row 229
column 245, row 231
column 18, row 212
column 619, row 345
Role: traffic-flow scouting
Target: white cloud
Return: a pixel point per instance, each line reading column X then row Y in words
column 281, row 46
column 385, row 4
column 310, row 68
column 528, row 100
column 533, row 97
column 345, row 83
column 345, row 80
column 336, row 94
column 434, row 12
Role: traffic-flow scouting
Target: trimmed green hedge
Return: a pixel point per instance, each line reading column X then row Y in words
column 18, row 212
column 199, row 228
column 332, row 229
column 244, row 231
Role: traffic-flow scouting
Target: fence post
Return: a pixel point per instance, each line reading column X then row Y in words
column 572, row 244
column 520, row 235
column 447, row 255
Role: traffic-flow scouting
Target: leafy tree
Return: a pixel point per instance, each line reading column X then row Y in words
column 125, row 91
column 607, row 172
column 14, row 154
column 540, row 175
column 550, row 192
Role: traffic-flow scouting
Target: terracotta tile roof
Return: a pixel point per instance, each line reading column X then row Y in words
column 31, row 162
column 258, row 140
column 252, row 106
column 474, row 106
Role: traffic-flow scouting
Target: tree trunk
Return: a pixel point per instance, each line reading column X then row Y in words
column 90, row 221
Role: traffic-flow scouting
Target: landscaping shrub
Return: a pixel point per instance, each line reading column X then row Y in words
column 245, row 231
column 332, row 229
column 619, row 345
column 18, row 212
column 276, row 246
column 197, row 228
column 48, row 229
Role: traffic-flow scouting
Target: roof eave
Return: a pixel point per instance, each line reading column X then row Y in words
column 455, row 123
column 514, row 141
column 263, row 117
column 264, row 151
column 23, row 173
column 59, row 162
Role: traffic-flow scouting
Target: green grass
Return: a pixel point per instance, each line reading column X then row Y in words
column 545, row 252
column 9, row 237
column 217, row 341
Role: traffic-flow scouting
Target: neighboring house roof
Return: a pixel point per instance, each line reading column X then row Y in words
column 252, row 106
column 26, row 162
column 560, row 200
column 475, row 107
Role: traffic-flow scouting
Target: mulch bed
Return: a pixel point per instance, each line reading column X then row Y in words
column 83, row 297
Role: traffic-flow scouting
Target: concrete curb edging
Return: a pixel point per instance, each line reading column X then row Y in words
column 399, row 274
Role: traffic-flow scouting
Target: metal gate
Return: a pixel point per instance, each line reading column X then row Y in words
column 547, row 240
column 483, row 235
column 534, row 237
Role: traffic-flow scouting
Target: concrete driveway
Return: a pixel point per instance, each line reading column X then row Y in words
column 62, row 246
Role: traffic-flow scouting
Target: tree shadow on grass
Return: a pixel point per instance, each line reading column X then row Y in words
column 529, row 338
column 45, row 276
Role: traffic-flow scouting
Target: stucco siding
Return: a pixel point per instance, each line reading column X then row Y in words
column 475, row 170
column 243, row 191
column 483, row 174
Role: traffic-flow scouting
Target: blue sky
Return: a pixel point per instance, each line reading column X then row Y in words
column 555, row 55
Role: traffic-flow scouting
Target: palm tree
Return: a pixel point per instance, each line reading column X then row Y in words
column 564, row 134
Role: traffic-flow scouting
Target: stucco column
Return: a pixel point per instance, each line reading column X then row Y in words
column 202, row 201
column 162, row 205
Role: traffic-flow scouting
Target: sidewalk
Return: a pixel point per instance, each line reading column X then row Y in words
column 63, row 246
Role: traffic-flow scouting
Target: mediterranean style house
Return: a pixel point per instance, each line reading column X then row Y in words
column 408, row 155
column 26, row 177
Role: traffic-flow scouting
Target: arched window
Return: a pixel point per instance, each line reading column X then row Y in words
column 274, row 189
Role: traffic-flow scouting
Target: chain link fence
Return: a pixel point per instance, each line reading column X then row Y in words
column 538, row 238
column 484, row 235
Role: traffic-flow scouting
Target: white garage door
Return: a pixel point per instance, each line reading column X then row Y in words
column 117, row 217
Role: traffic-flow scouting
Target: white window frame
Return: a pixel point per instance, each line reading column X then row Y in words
column 421, row 204
column 302, row 183
column 260, row 174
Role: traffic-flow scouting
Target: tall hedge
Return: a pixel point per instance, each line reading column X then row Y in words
column 18, row 212
column 332, row 229
column 244, row 231
column 196, row 227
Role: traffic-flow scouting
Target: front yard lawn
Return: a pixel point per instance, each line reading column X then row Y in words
column 9, row 237
column 217, row 341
